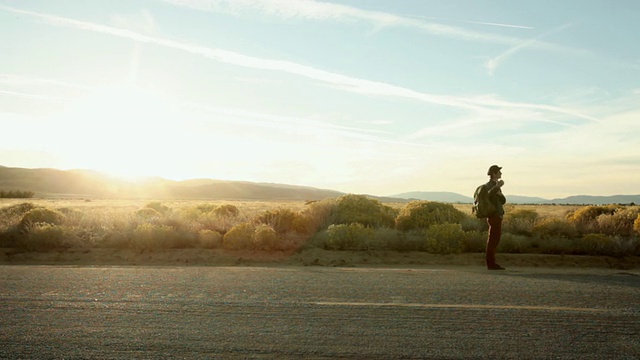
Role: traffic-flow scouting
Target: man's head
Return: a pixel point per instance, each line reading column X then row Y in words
column 494, row 171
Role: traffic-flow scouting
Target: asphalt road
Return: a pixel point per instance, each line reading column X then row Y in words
column 57, row 312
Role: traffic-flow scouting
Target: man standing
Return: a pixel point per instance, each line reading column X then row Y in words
column 494, row 187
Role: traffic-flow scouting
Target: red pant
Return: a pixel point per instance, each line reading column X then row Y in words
column 495, row 230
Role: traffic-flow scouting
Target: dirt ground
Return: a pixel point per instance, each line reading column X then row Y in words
column 311, row 257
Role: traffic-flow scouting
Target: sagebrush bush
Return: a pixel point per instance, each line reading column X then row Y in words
column 515, row 244
column 520, row 222
column 386, row 239
column 266, row 238
column 221, row 224
column 43, row 237
column 284, row 221
column 240, row 237
column 41, row 215
column 157, row 206
column 601, row 244
column 148, row 213
column 10, row 216
column 363, row 210
column 584, row 219
column 205, row 208
column 16, row 210
column 423, row 214
column 210, row 239
column 620, row 223
column 472, row 223
column 353, row 237
column 444, row 239
column 319, row 215
column 594, row 244
column 227, row 210
column 557, row 245
column 636, row 225
column 553, row 227
column 475, row 241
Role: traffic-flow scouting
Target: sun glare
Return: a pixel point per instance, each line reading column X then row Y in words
column 127, row 132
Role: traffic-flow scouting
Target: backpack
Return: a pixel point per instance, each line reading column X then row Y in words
column 482, row 206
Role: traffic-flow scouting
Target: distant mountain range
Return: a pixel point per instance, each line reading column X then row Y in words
column 515, row 199
column 52, row 183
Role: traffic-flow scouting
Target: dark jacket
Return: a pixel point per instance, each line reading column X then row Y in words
column 496, row 198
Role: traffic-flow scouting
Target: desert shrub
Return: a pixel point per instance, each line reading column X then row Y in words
column 444, row 239
column 472, row 223
column 209, row 239
column 553, row 227
column 353, row 236
column 240, row 237
column 283, row 221
column 594, row 244
column 155, row 236
column 16, row 210
column 386, row 239
column 363, row 210
column 620, row 223
column 227, row 210
column 358, row 237
column 10, row 216
column 406, row 241
column 190, row 213
column 423, row 214
column 319, row 214
column 602, row 244
column 157, row 206
column 43, row 237
column 636, row 225
column 41, row 215
column 219, row 221
column 266, row 238
column 520, row 222
column 514, row 244
column 148, row 213
column 475, row 241
column 585, row 218
column 205, row 208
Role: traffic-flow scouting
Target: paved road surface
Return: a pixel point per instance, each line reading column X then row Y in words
column 56, row 312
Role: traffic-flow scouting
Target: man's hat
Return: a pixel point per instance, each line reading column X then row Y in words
column 493, row 169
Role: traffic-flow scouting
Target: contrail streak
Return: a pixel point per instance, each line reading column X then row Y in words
column 344, row 82
column 468, row 21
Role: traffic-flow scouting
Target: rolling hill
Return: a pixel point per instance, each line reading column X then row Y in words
column 90, row 184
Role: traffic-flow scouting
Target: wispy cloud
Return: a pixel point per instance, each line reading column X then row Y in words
column 469, row 22
column 344, row 82
column 493, row 64
column 287, row 123
column 325, row 11
column 143, row 22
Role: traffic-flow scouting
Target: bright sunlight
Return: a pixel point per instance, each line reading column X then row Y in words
column 126, row 131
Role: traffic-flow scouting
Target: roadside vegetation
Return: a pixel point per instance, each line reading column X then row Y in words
column 16, row 194
column 350, row 222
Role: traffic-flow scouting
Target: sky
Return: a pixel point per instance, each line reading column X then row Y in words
column 372, row 97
